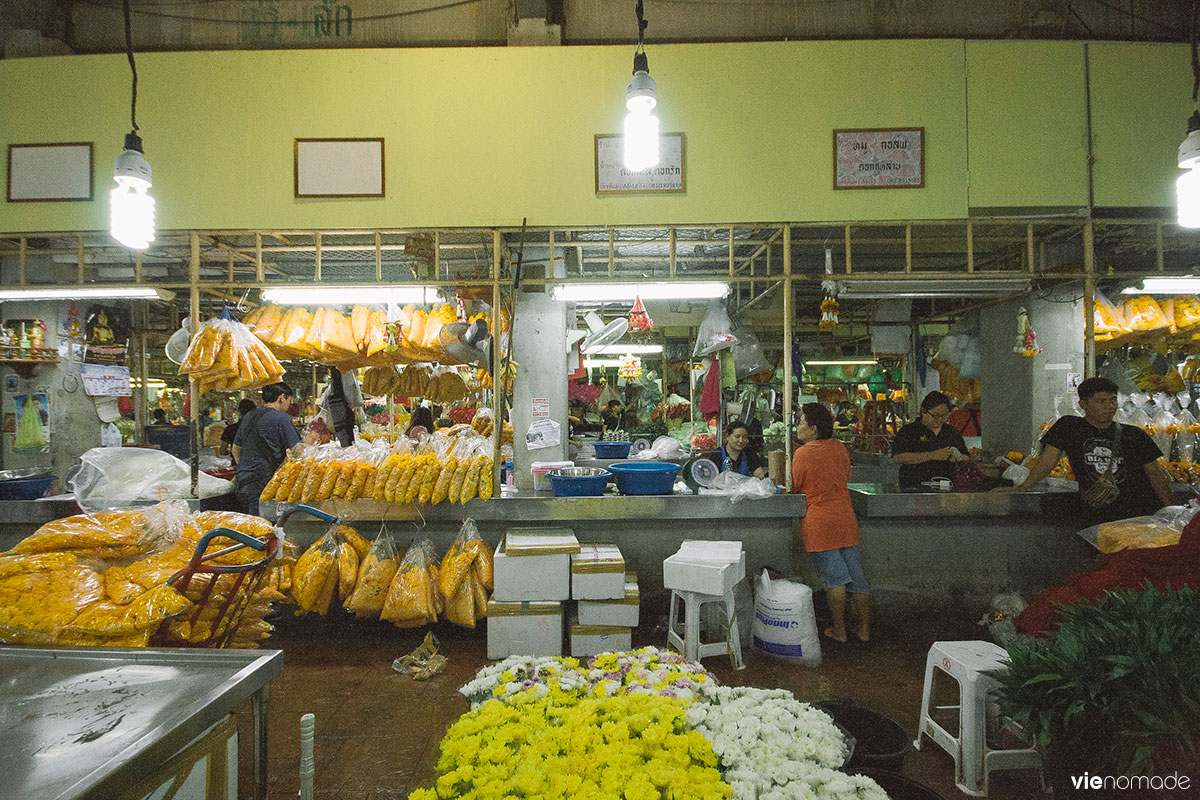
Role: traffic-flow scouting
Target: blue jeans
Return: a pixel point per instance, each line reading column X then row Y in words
column 839, row 568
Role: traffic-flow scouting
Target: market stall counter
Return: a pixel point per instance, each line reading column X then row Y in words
column 647, row 528
column 101, row 722
column 932, row 548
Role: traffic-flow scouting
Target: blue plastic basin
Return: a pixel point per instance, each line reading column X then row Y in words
column 644, row 477
column 26, row 488
column 578, row 481
column 613, row 449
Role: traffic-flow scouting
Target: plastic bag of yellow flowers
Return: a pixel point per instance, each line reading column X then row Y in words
column 413, row 599
column 465, row 577
column 375, row 575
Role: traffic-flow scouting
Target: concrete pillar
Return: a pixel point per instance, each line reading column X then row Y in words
column 539, row 347
column 1020, row 393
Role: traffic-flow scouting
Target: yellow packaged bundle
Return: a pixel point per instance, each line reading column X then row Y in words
column 355, row 540
column 345, row 477
column 415, row 475
column 315, row 576
column 17, row 563
column 485, row 480
column 106, row 534
column 441, row 488
column 1134, row 534
column 412, row 599
column 375, row 575
column 1109, row 320
column 144, row 614
column 1144, row 314
column 1183, row 312
column 358, row 483
column 347, row 570
column 263, row 321
column 225, row 355
column 283, row 477
column 36, row 605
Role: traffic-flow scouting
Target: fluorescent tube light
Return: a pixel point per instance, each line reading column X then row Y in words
column 841, row 362
column 627, row 292
column 88, row 293
column 348, row 295
column 638, row 349
column 885, row 289
column 590, row 363
column 1185, row 284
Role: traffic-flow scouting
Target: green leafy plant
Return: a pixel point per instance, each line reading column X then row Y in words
column 1121, row 675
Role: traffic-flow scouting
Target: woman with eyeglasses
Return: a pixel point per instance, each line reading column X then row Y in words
column 927, row 448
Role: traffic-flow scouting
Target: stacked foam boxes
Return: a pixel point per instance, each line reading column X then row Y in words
column 606, row 601
column 533, row 579
column 707, row 567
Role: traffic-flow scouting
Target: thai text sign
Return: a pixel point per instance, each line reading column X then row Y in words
column 668, row 177
column 879, row 159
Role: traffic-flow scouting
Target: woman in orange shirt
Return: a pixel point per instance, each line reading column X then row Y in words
column 821, row 471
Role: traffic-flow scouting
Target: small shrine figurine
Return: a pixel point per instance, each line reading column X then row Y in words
column 1026, row 343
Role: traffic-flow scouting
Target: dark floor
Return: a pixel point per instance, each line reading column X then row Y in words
column 377, row 731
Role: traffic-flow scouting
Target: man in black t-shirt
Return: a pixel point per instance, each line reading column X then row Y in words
column 1095, row 445
column 927, row 448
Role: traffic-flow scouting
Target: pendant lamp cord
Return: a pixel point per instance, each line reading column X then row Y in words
column 133, row 67
column 641, row 17
column 1195, row 57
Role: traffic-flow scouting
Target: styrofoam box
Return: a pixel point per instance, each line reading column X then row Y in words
column 524, row 629
column 705, row 567
column 598, row 573
column 538, row 470
column 621, row 613
column 534, row 564
column 591, row 640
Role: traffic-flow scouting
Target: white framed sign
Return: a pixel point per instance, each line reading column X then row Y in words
column 339, row 168
column 669, row 177
column 879, row 158
column 49, row 172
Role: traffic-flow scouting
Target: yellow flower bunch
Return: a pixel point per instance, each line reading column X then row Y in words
column 586, row 748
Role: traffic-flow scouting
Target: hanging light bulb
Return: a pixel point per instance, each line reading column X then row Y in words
column 131, row 208
column 1187, row 186
column 641, row 96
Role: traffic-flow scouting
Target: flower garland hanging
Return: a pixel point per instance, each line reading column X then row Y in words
column 829, row 306
column 640, row 323
column 630, row 366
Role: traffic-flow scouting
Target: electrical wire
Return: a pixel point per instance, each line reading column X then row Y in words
column 376, row 17
column 132, row 67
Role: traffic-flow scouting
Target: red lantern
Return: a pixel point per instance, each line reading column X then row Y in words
column 639, row 321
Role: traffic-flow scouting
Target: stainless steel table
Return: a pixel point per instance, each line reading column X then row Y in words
column 79, row 722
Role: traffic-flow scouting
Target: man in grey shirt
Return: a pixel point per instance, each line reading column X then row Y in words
column 263, row 439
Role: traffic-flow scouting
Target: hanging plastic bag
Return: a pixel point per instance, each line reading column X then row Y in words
column 410, row 601
column 315, row 576
column 716, row 331
column 31, row 433
column 375, row 576
column 747, row 353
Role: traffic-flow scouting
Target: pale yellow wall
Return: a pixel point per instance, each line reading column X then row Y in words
column 1027, row 123
column 1141, row 99
column 486, row 136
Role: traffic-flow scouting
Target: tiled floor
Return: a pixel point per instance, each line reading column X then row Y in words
column 377, row 731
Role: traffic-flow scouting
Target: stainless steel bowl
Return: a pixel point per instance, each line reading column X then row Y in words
column 578, row 472
column 24, row 472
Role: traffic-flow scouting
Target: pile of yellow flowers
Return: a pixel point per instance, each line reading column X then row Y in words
column 633, row 746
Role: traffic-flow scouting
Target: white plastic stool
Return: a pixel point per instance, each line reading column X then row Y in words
column 686, row 638
column 973, row 759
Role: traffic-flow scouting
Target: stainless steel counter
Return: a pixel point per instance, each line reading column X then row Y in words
column 79, row 723
column 879, row 500
column 539, row 507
